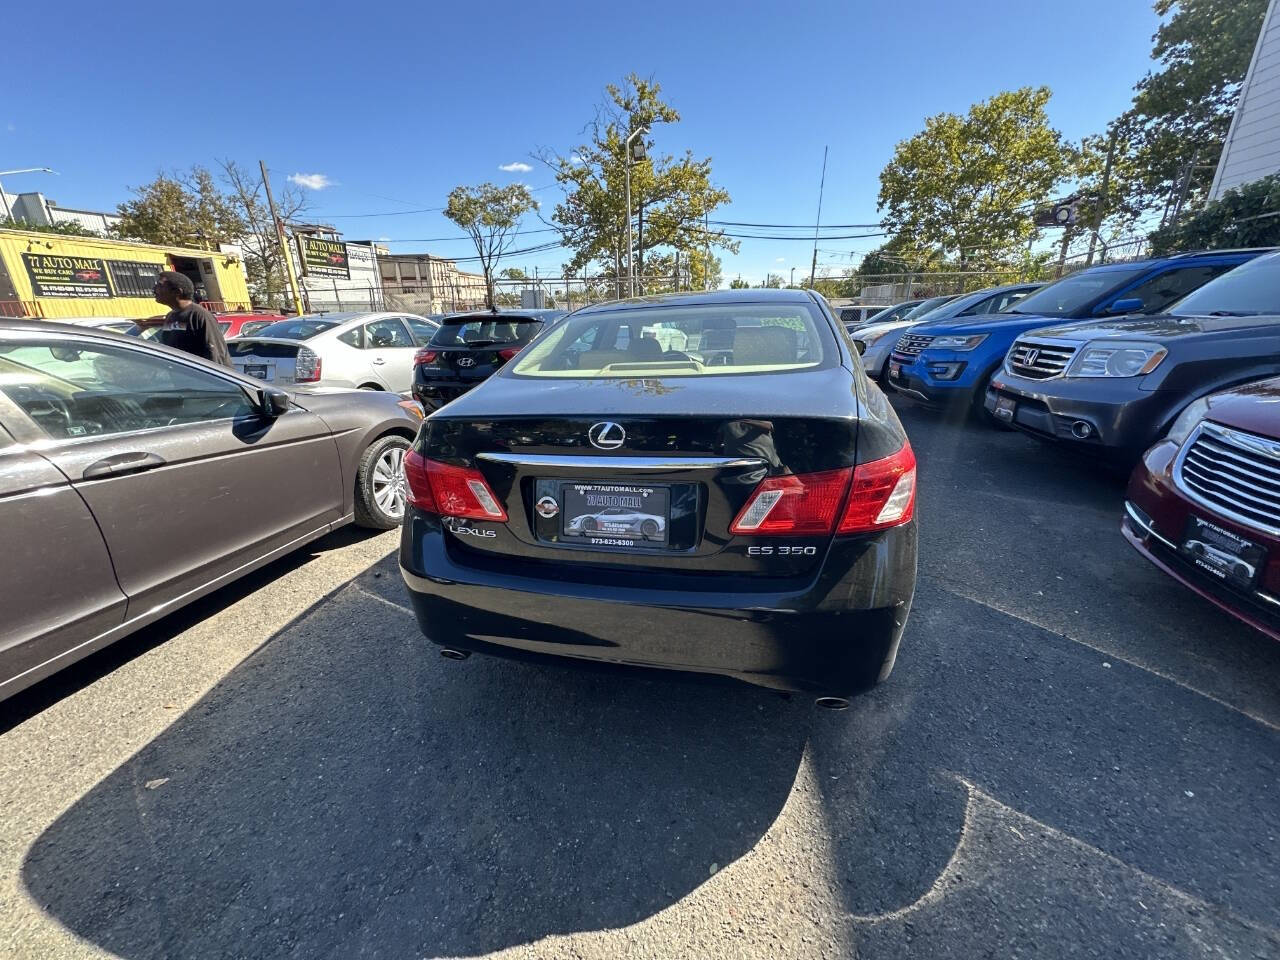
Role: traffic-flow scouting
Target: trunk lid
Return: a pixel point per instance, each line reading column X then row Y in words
column 642, row 477
column 269, row 360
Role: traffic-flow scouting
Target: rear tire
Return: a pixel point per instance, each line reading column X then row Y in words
column 380, row 486
column 649, row 529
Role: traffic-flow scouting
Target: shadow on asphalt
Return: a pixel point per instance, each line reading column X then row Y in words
column 342, row 798
column 49, row 691
column 346, row 792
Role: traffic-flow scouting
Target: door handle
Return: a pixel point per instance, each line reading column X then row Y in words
column 122, row 463
column 379, row 360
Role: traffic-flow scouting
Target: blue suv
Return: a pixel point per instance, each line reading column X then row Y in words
column 952, row 361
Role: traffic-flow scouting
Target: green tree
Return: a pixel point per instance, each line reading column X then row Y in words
column 68, row 228
column 1182, row 110
column 705, row 272
column 1244, row 217
column 181, row 210
column 965, row 186
column 775, row 281
column 513, row 273
column 738, row 284
column 490, row 214
column 670, row 196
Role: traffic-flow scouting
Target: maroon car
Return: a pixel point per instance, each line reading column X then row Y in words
column 1204, row 503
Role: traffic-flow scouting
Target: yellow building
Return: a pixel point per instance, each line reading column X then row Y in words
column 50, row 275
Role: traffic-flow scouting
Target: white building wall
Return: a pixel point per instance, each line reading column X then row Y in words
column 1252, row 150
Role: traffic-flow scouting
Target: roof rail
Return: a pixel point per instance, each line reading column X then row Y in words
column 1205, row 253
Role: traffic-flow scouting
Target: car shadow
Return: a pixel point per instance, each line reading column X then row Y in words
column 347, row 791
column 39, row 697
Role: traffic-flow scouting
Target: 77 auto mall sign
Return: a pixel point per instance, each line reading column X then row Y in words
column 53, row 276
column 323, row 258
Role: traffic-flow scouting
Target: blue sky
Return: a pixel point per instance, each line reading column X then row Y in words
column 394, row 104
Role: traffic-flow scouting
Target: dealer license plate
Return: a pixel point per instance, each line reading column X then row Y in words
column 1226, row 555
column 615, row 514
column 258, row 370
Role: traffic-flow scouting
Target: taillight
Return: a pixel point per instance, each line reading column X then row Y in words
column 450, row 491
column 423, row 357
column 306, row 368
column 506, row 353
column 883, row 493
column 806, row 503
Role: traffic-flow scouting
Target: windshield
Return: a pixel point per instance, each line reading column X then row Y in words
column 485, row 332
column 1074, row 293
column 300, row 329
column 1250, row 289
column 679, row 341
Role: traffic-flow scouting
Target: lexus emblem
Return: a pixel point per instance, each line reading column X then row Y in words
column 547, row 507
column 1031, row 357
column 466, row 361
column 607, row 435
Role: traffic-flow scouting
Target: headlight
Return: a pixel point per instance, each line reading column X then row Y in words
column 1116, row 358
column 867, row 339
column 1187, row 420
column 958, row 343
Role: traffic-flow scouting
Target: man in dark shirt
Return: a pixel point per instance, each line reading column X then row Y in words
column 188, row 326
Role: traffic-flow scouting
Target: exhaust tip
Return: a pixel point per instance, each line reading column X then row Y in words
column 451, row 654
column 1082, row 430
column 832, row 703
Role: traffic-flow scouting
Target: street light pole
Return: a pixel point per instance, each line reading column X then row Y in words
column 8, row 213
column 793, row 276
column 631, row 276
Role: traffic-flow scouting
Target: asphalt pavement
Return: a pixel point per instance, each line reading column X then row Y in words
column 1075, row 757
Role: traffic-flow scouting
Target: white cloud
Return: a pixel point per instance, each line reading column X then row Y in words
column 384, row 239
column 781, row 260
column 10, row 127
column 312, row 181
column 516, row 167
column 576, row 158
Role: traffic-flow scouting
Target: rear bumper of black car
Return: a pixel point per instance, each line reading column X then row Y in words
column 1114, row 419
column 834, row 634
column 433, row 396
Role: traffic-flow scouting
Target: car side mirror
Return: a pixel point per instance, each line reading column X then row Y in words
column 1127, row 305
column 860, row 347
column 273, row 403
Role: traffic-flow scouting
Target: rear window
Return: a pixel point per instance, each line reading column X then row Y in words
column 484, row 333
column 253, row 326
column 296, row 329
column 679, row 341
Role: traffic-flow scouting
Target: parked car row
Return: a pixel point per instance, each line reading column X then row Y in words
column 1173, row 363
column 135, row 479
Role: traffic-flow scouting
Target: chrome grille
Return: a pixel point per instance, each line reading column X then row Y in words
column 1037, row 360
column 1235, row 473
column 910, row 345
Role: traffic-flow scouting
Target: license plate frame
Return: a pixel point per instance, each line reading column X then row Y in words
column 1006, row 408
column 895, row 370
column 259, row 371
column 1222, row 553
column 615, row 515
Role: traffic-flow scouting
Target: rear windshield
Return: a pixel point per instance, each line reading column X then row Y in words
column 1075, row 292
column 296, row 329
column 678, row 341
column 1251, row 289
column 484, row 333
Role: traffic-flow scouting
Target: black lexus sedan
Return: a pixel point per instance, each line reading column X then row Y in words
column 1112, row 388
column 704, row 483
column 468, row 347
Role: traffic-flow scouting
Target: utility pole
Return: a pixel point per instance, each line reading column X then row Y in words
column 284, row 244
column 813, row 270
column 631, row 276
column 706, row 250
column 1102, row 199
column 793, row 276
column 1185, row 189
